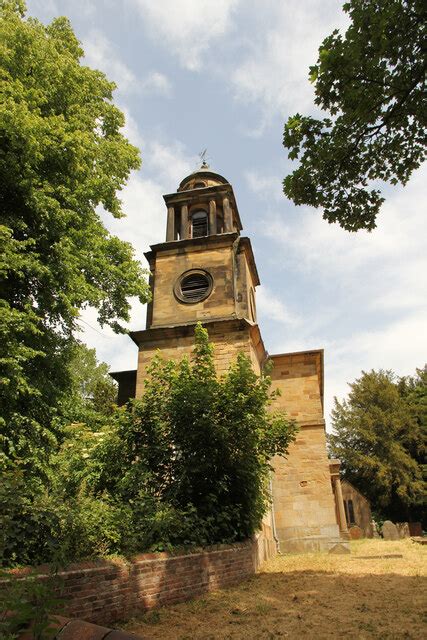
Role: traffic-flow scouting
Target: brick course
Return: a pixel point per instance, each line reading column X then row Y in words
column 108, row 591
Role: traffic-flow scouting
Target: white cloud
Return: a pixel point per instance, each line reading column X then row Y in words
column 274, row 69
column 264, row 186
column 145, row 211
column 144, row 224
column 100, row 54
column 171, row 163
column 116, row 349
column 400, row 346
column 188, row 27
column 131, row 130
column 269, row 306
column 396, row 249
column 142, row 197
column 157, row 82
column 45, row 9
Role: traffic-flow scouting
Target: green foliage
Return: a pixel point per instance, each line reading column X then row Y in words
column 91, row 394
column 380, row 436
column 197, row 446
column 62, row 157
column 29, row 602
column 186, row 464
column 41, row 511
column 371, row 81
column 41, row 522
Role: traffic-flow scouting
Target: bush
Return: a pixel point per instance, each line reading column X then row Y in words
column 186, row 464
column 196, row 446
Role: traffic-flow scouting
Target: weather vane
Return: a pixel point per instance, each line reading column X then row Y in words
column 202, row 156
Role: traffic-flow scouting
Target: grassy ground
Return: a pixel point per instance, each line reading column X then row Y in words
column 309, row 596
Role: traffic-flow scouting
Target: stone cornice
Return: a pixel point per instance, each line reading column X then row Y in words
column 183, row 330
column 176, row 246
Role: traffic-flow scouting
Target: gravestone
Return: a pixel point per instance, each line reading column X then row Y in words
column 415, row 528
column 339, row 548
column 390, row 531
column 403, row 529
column 355, row 532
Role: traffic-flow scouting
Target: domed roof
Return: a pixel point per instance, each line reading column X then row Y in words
column 203, row 177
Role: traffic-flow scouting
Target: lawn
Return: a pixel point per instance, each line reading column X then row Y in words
column 309, row 596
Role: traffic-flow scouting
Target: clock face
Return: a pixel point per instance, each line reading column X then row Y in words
column 193, row 286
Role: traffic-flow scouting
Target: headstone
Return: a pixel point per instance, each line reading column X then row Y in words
column 375, row 533
column 390, row 531
column 340, row 548
column 415, row 528
column 355, row 532
column 403, row 529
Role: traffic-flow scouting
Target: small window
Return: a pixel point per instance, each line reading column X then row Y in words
column 199, row 224
column 351, row 512
column 199, row 185
column 193, row 286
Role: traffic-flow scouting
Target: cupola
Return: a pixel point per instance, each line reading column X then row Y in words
column 203, row 205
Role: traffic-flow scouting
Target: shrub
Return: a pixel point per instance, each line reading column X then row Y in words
column 198, row 447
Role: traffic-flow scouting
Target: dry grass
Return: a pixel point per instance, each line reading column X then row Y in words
column 309, row 596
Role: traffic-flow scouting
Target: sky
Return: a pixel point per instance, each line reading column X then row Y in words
column 225, row 75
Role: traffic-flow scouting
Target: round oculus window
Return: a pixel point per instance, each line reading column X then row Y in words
column 193, row 286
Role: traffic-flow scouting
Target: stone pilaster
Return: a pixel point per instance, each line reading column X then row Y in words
column 185, row 226
column 170, row 228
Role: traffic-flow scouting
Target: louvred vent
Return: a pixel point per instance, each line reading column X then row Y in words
column 200, row 226
column 194, row 287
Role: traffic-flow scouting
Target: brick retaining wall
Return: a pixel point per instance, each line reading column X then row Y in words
column 111, row 590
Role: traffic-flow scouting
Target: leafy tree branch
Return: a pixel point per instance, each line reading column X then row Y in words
column 371, row 80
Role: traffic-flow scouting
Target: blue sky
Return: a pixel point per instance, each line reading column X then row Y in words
column 226, row 74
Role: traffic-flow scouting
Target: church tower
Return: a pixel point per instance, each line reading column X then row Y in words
column 205, row 271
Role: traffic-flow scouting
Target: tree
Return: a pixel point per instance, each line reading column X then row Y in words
column 92, row 393
column 62, row 157
column 372, row 83
column 413, row 389
column 380, row 438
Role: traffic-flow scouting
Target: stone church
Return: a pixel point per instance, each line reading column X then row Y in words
column 206, row 271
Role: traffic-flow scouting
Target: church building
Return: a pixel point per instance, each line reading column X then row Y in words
column 205, row 271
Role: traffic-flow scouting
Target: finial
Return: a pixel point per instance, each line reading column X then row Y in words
column 202, row 156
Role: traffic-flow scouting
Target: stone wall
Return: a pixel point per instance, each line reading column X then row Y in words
column 108, row 591
column 299, row 378
column 304, row 502
column 361, row 509
column 229, row 338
